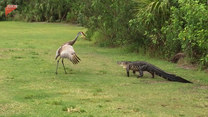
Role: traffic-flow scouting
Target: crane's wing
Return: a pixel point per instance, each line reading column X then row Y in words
column 67, row 51
column 75, row 59
column 58, row 51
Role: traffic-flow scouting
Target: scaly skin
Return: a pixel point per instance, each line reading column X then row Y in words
column 141, row 66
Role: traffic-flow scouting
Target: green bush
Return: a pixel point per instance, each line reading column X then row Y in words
column 110, row 18
column 189, row 27
column 157, row 27
column 44, row 10
column 175, row 26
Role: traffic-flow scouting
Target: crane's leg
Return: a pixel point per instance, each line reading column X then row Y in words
column 64, row 66
column 57, row 65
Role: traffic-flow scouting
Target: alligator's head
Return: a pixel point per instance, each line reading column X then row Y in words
column 123, row 63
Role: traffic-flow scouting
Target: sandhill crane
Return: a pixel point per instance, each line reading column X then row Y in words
column 67, row 51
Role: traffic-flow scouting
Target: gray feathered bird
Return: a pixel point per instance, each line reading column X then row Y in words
column 67, row 51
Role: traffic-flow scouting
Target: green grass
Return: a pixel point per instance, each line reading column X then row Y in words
column 95, row 87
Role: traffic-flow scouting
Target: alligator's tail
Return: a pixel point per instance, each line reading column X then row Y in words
column 170, row 77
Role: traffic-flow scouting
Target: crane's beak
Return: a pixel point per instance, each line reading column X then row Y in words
column 83, row 35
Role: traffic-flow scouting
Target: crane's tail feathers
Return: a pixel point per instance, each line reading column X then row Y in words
column 75, row 59
column 172, row 77
column 72, row 60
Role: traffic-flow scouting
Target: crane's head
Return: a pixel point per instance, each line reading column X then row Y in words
column 82, row 35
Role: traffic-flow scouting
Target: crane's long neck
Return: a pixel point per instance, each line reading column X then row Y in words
column 73, row 41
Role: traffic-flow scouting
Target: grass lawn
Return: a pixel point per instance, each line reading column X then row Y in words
column 95, row 87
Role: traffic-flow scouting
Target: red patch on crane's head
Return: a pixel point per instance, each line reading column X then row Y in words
column 83, row 34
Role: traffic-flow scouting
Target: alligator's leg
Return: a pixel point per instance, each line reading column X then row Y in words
column 134, row 72
column 153, row 74
column 140, row 73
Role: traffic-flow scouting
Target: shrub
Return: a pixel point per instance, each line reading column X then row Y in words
column 189, row 27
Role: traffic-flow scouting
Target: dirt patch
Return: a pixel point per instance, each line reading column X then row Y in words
column 206, row 70
column 188, row 66
column 123, row 84
column 6, row 53
column 10, row 49
column 203, row 87
column 155, row 81
column 12, row 108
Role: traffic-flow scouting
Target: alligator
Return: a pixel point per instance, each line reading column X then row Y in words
column 141, row 66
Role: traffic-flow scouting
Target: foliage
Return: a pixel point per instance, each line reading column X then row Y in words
column 175, row 26
column 2, row 7
column 159, row 27
column 110, row 19
column 189, row 27
column 151, row 19
column 97, row 87
column 46, row 10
